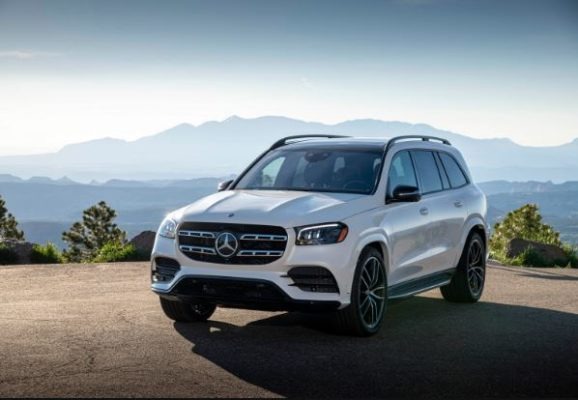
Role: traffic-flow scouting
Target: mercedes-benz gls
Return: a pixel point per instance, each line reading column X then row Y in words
column 328, row 224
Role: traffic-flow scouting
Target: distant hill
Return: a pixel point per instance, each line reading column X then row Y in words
column 46, row 209
column 222, row 148
column 504, row 187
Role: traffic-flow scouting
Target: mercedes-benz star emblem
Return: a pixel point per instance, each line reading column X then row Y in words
column 226, row 244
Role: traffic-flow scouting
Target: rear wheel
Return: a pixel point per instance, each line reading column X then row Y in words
column 468, row 281
column 186, row 312
column 364, row 315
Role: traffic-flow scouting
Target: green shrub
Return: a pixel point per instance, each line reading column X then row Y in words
column 523, row 223
column 529, row 258
column 572, row 254
column 115, row 251
column 47, row 254
column 7, row 255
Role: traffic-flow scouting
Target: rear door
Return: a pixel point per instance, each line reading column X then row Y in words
column 442, row 206
column 456, row 202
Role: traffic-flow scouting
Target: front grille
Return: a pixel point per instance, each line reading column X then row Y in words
column 165, row 269
column 313, row 279
column 256, row 244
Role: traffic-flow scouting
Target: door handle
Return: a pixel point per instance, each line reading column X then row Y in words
column 424, row 211
column 458, row 203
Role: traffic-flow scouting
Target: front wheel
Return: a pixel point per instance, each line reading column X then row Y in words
column 186, row 312
column 364, row 315
column 467, row 284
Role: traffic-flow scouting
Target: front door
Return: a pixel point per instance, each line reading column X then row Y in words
column 406, row 224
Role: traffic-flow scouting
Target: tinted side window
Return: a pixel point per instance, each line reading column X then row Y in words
column 455, row 173
column 401, row 172
column 444, row 176
column 427, row 170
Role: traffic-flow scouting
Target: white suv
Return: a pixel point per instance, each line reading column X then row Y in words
column 328, row 223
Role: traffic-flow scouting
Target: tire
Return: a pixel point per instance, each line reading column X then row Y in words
column 185, row 312
column 364, row 315
column 467, row 284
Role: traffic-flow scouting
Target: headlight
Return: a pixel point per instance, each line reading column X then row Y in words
column 168, row 228
column 321, row 234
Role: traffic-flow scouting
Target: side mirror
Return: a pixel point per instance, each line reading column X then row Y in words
column 224, row 185
column 404, row 193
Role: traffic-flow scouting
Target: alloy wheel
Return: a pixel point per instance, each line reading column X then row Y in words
column 476, row 271
column 372, row 292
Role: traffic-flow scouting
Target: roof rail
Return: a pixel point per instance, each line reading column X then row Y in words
column 396, row 139
column 286, row 140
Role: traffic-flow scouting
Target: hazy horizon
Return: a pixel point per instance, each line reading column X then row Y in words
column 72, row 71
column 129, row 140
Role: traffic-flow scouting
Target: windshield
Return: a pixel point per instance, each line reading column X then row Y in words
column 316, row 170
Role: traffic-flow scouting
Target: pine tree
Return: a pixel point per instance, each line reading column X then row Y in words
column 86, row 238
column 8, row 224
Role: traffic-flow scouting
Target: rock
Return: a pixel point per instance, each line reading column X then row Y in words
column 143, row 243
column 549, row 253
column 22, row 251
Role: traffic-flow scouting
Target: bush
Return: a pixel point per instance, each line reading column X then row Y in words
column 572, row 255
column 523, row 223
column 7, row 255
column 115, row 251
column 48, row 254
column 529, row 258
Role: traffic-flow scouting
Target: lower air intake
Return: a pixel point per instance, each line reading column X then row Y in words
column 313, row 279
column 165, row 269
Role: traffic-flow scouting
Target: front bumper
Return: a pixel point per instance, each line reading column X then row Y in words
column 242, row 293
column 265, row 286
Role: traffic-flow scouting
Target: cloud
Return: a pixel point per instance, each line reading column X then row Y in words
column 27, row 55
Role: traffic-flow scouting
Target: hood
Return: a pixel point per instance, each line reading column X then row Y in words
column 272, row 207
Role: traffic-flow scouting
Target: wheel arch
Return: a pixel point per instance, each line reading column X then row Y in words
column 379, row 243
column 481, row 230
column 474, row 224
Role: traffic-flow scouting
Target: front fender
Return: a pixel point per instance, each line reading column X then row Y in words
column 374, row 236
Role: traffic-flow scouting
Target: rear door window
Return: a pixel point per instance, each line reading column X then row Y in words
column 427, row 170
column 455, row 174
column 444, row 176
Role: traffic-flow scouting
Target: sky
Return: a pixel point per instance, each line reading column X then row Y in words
column 72, row 71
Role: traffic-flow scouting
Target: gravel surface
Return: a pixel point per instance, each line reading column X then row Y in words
column 97, row 330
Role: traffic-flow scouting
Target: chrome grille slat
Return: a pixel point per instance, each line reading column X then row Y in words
column 260, row 236
column 198, row 249
column 260, row 253
column 256, row 244
column 197, row 234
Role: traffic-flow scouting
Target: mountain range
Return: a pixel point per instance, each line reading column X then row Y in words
column 226, row 147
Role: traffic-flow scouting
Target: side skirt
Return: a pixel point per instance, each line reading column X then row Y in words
column 418, row 285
